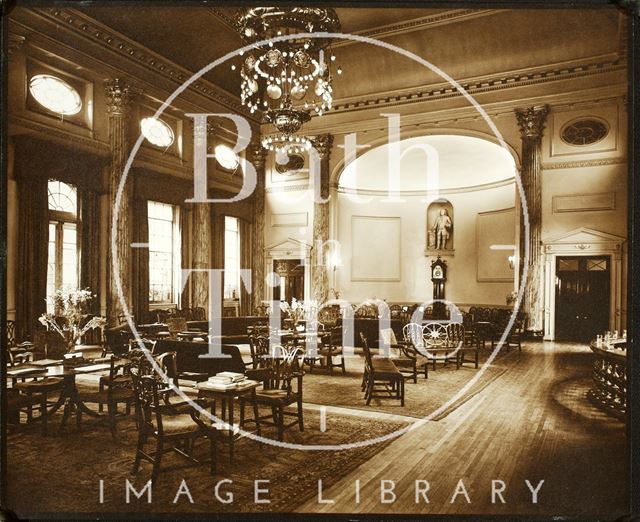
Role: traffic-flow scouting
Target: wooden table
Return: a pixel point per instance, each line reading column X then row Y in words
column 227, row 400
column 68, row 392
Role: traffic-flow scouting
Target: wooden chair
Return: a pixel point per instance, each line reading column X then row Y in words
column 18, row 354
column 332, row 347
column 381, row 379
column 436, row 342
column 37, row 390
column 116, row 389
column 413, row 346
column 259, row 347
column 281, row 379
column 457, row 338
column 174, row 426
column 404, row 359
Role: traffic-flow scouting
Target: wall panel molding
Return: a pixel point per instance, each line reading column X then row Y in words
column 584, row 202
column 376, row 248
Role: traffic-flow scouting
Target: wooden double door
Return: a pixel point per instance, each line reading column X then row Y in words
column 583, row 297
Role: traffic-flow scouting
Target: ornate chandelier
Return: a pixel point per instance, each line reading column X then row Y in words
column 287, row 80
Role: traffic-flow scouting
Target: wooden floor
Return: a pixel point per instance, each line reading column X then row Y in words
column 533, row 423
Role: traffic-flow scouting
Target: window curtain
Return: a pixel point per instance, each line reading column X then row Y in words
column 217, row 252
column 140, row 258
column 90, row 245
column 33, row 239
column 246, row 262
column 185, row 254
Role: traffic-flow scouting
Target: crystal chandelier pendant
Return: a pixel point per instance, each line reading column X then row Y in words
column 287, row 80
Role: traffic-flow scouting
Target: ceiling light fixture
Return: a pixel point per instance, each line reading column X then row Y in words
column 287, row 80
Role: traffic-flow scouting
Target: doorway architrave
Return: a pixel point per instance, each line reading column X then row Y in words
column 582, row 242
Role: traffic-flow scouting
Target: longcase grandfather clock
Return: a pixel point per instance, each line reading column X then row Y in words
column 438, row 278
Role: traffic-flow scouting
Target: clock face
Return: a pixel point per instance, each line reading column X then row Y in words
column 437, row 272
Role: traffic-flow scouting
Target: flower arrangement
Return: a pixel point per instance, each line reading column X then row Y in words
column 70, row 319
column 295, row 311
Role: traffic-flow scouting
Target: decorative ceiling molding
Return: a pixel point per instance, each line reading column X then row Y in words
column 417, row 24
column 479, row 85
column 423, row 118
column 425, row 193
column 583, row 164
column 83, row 25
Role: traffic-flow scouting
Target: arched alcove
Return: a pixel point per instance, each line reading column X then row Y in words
column 387, row 205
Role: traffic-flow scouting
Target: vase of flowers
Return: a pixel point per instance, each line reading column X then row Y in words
column 70, row 318
column 295, row 311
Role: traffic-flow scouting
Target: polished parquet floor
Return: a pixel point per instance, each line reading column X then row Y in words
column 533, row 423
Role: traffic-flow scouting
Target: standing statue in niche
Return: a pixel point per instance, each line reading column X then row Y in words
column 442, row 228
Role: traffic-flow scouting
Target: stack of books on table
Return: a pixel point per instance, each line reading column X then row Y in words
column 226, row 380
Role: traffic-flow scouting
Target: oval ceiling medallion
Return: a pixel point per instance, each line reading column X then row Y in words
column 584, row 131
column 55, row 94
column 296, row 162
column 156, row 131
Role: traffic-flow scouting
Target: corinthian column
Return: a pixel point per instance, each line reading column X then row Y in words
column 531, row 122
column 319, row 276
column 201, row 227
column 118, row 97
column 258, row 156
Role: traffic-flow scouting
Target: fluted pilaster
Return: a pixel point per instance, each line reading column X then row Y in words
column 531, row 122
column 319, row 275
column 118, row 98
column 258, row 157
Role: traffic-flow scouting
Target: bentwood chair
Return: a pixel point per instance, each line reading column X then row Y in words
column 173, row 426
column 281, row 379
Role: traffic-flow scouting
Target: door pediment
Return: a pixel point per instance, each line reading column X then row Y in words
column 585, row 240
column 289, row 247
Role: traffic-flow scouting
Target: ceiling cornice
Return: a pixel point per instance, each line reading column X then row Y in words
column 478, row 85
column 418, row 24
column 109, row 39
column 425, row 118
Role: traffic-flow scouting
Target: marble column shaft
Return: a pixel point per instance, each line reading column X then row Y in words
column 118, row 97
column 319, row 275
column 258, row 157
column 531, row 122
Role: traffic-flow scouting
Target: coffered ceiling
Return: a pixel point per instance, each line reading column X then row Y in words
column 466, row 44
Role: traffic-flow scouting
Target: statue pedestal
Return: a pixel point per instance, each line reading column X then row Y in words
column 431, row 252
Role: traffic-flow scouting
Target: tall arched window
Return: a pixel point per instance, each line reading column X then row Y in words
column 62, row 267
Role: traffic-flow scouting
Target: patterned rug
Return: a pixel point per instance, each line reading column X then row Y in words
column 61, row 473
column 421, row 398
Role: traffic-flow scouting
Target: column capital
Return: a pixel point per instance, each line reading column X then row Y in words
column 119, row 96
column 258, row 155
column 531, row 121
column 323, row 145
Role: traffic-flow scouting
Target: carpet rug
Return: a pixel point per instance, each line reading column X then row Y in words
column 421, row 398
column 61, row 473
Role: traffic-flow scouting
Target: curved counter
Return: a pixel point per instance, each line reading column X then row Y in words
column 609, row 391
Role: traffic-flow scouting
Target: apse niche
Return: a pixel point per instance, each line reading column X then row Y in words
column 446, row 185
